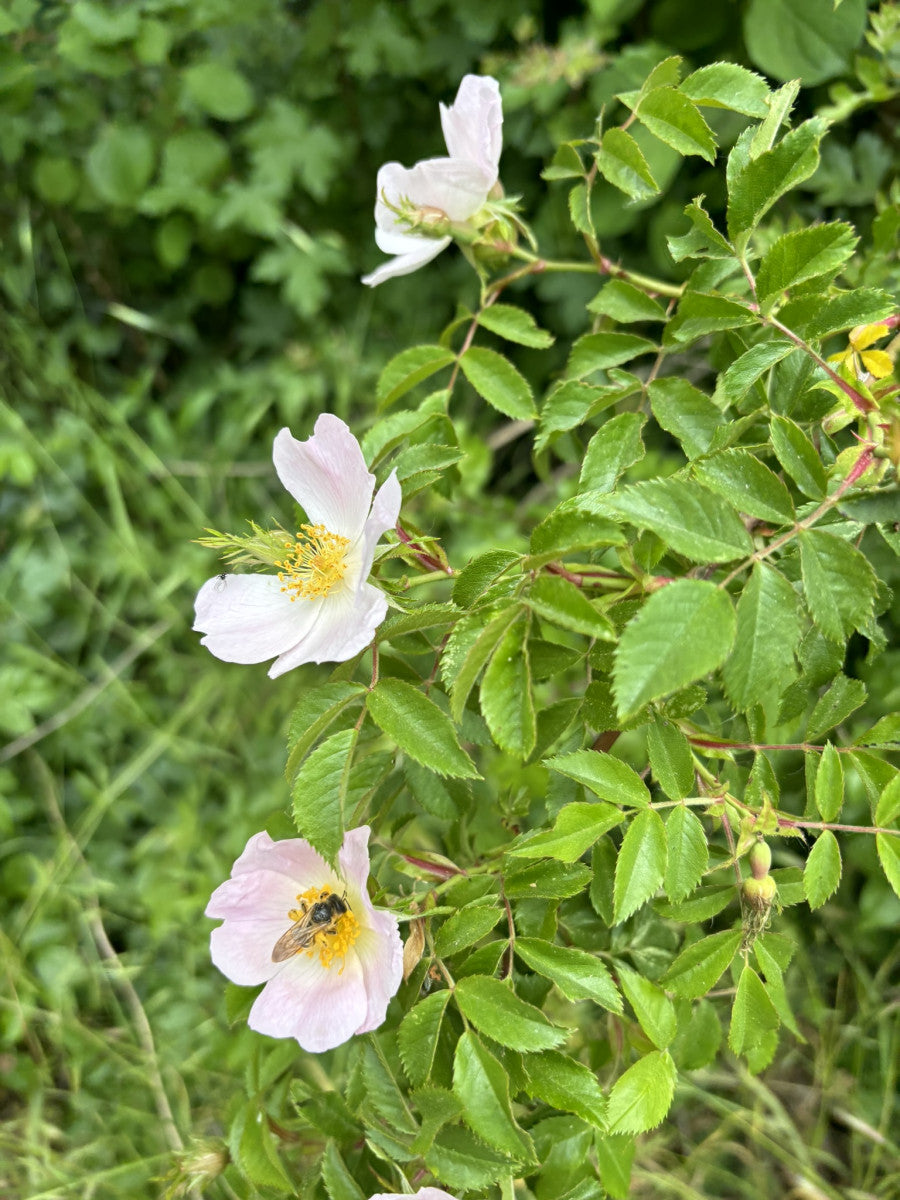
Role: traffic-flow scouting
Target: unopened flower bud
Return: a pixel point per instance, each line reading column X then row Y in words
column 759, row 892
column 760, row 858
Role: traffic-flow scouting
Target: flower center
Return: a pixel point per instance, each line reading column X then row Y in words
column 331, row 927
column 316, row 561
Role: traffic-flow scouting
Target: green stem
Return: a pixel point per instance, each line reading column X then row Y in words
column 605, row 266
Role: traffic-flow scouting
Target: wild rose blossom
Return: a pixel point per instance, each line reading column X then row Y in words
column 440, row 192
column 327, row 986
column 319, row 607
column 425, row 1193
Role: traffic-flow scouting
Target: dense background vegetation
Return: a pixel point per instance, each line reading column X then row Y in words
column 186, row 202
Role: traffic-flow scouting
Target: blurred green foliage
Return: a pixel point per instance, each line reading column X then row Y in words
column 186, row 203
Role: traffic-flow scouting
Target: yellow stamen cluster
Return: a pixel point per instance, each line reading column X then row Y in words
column 315, row 562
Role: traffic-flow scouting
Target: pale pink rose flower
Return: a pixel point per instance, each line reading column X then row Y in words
column 438, row 190
column 319, row 607
column 425, row 1193
column 328, row 979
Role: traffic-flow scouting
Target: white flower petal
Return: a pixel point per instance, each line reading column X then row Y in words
column 314, row 1004
column 248, row 618
column 345, row 624
column 456, row 187
column 425, row 1193
column 384, row 514
column 327, row 476
column 242, row 950
column 405, row 264
column 353, row 860
column 473, row 124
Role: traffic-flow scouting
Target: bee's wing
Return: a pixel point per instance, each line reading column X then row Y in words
column 298, row 937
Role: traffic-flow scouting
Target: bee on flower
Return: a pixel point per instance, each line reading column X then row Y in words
column 330, row 960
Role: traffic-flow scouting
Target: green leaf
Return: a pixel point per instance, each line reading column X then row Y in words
column 885, row 732
column 252, row 1146
column 798, row 456
column 624, row 302
column 547, row 881
column 612, row 450
column 482, row 1086
column 803, row 39
column 606, row 776
column 888, row 808
column 507, row 698
column 641, row 864
column 888, row 847
column 692, row 520
column 838, row 582
column 515, row 325
column 600, row 351
column 466, row 927
column 621, row 163
column 408, row 368
column 219, row 90
column 461, row 1161
column 383, row 1094
column 580, row 209
column 562, row 603
column 700, row 314
column 317, row 710
column 417, row 1037
column 419, row 728
column 764, row 179
column 672, row 118
column 753, row 1016
column 319, row 792
column 496, row 380
column 670, row 759
column 773, row 982
column 652, row 1007
column 703, row 240
column 822, row 872
column 699, row 966
column 683, row 632
column 830, row 784
column 726, row 85
column 339, row 1183
column 736, row 381
column 563, row 1083
column 687, row 853
column 477, row 656
column 499, row 1013
column 572, row 526
column 815, row 317
column 746, row 483
column 577, row 974
column 120, row 163
column 479, row 573
column 768, row 630
column 641, row 1097
column 685, row 412
column 576, row 828
column 804, row 254
column 706, row 903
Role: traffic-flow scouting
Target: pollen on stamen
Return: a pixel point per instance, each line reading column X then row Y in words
column 316, row 561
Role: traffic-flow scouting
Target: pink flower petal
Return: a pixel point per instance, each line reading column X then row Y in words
column 255, row 895
column 473, row 124
column 380, row 953
column 293, row 857
column 327, row 476
column 314, row 1004
column 346, row 623
column 242, row 950
column 248, row 618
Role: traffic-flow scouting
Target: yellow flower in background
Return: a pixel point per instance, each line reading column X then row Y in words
column 859, row 358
